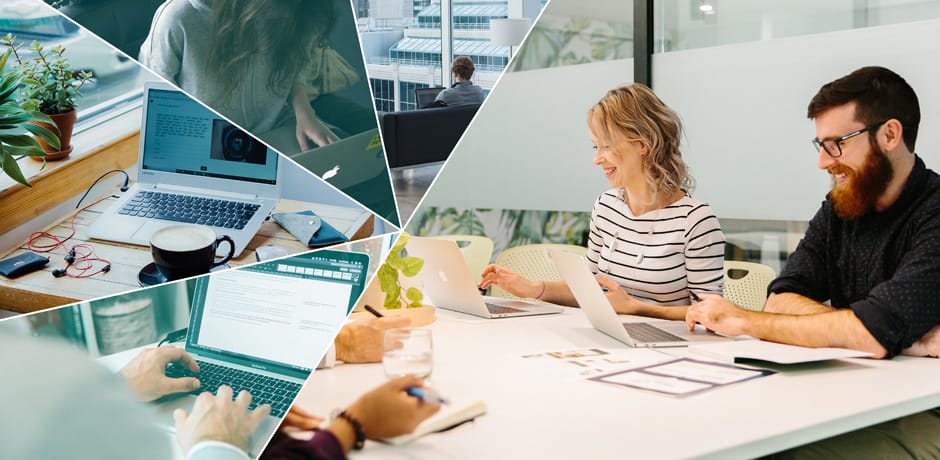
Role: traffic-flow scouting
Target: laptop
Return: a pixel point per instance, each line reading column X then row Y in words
column 265, row 327
column 601, row 314
column 348, row 162
column 426, row 96
column 449, row 284
column 193, row 167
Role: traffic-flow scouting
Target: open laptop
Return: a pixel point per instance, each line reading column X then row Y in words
column 425, row 96
column 193, row 167
column 449, row 284
column 265, row 327
column 348, row 162
column 601, row 314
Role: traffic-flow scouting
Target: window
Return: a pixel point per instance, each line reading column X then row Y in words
column 407, row 95
column 384, row 93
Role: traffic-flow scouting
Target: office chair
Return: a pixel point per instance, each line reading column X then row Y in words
column 532, row 261
column 746, row 283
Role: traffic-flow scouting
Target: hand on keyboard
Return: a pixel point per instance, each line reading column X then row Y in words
column 147, row 374
column 222, row 417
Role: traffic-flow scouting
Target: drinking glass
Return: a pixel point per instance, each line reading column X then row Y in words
column 408, row 351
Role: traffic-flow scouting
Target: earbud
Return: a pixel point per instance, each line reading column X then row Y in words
column 58, row 273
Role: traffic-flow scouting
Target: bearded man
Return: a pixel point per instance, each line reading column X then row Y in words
column 872, row 251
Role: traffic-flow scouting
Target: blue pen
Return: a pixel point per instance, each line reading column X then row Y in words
column 426, row 394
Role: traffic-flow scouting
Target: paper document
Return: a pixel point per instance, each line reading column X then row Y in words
column 739, row 350
column 682, row 377
column 450, row 416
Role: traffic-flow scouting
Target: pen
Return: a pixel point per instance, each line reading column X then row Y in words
column 373, row 311
column 695, row 296
column 426, row 394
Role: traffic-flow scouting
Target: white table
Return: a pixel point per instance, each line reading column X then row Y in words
column 534, row 415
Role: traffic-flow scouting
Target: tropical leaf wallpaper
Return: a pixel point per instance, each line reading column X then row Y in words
column 556, row 41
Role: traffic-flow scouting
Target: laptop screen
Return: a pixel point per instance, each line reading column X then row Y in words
column 280, row 315
column 425, row 96
column 184, row 137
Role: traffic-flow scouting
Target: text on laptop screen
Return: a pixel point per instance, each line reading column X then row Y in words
column 280, row 312
column 184, row 137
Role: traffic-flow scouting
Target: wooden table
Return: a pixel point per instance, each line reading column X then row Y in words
column 40, row 290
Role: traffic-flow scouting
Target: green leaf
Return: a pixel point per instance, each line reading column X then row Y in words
column 19, row 140
column 12, row 169
column 411, row 266
column 391, row 302
column 414, row 294
column 388, row 278
column 415, row 305
column 50, row 137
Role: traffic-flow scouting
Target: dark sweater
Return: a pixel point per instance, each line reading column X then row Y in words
column 885, row 266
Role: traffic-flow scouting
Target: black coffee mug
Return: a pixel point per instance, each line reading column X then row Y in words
column 181, row 251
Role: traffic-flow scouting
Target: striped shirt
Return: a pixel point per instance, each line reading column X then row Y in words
column 659, row 256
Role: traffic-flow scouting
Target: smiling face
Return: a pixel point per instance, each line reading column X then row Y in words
column 619, row 157
column 862, row 173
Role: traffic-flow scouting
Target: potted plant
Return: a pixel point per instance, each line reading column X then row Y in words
column 50, row 86
column 397, row 265
column 15, row 125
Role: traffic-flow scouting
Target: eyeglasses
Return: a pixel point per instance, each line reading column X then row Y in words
column 834, row 146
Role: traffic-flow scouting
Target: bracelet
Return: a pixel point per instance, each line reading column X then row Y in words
column 357, row 428
column 539, row 297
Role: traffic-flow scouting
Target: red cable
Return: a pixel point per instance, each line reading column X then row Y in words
column 83, row 254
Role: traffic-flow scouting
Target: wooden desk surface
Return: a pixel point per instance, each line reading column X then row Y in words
column 40, row 290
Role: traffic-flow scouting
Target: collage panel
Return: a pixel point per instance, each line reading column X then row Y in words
column 289, row 72
column 145, row 159
column 120, row 376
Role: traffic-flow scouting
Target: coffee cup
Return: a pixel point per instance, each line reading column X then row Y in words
column 181, row 251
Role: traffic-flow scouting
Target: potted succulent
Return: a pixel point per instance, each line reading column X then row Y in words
column 15, row 125
column 399, row 264
column 50, row 86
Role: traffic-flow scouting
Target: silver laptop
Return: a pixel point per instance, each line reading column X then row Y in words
column 593, row 301
column 449, row 284
column 193, row 167
column 265, row 327
column 348, row 162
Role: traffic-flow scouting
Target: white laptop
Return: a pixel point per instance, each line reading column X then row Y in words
column 593, row 301
column 348, row 162
column 265, row 327
column 193, row 167
column 449, row 284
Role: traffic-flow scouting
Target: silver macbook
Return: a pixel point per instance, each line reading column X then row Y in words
column 601, row 314
column 449, row 284
column 264, row 328
column 348, row 162
column 193, row 167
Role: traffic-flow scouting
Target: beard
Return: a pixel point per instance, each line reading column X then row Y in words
column 858, row 195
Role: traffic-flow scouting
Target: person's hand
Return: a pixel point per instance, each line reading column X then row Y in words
column 622, row 302
column 388, row 411
column 510, row 281
column 310, row 127
column 218, row 418
column 146, row 373
column 717, row 314
column 362, row 341
column 928, row 345
column 298, row 419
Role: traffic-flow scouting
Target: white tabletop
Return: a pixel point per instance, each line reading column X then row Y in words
column 534, row 413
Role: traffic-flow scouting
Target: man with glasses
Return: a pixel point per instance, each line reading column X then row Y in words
column 872, row 251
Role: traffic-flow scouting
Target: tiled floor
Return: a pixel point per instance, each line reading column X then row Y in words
column 411, row 183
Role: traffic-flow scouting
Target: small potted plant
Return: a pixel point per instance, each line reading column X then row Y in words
column 50, row 86
column 397, row 265
column 15, row 126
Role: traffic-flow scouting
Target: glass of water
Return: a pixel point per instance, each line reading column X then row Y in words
column 408, row 351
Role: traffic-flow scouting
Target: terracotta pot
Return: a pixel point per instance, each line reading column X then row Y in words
column 66, row 124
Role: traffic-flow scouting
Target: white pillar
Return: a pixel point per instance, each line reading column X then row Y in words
column 447, row 41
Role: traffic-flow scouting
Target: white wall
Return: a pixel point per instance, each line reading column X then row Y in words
column 529, row 147
column 744, row 109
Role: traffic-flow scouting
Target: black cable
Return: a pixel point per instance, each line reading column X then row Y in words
column 127, row 180
column 174, row 336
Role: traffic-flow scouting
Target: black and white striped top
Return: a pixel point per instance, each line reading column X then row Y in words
column 659, row 256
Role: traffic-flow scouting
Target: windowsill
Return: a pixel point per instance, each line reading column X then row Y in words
column 109, row 145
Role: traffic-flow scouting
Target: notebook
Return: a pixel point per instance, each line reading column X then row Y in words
column 448, row 283
column 601, row 314
column 449, row 417
column 425, row 96
column 193, row 167
column 264, row 328
column 348, row 162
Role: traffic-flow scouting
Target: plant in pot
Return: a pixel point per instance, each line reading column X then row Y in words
column 399, row 264
column 50, row 86
column 15, row 125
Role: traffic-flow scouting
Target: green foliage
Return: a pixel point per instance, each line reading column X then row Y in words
column 398, row 263
column 15, row 124
column 49, row 83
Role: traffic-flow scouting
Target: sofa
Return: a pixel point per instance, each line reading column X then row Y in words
column 423, row 136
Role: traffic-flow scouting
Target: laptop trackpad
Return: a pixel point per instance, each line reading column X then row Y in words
column 115, row 228
column 143, row 234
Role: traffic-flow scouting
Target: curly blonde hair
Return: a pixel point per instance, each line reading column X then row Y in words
column 637, row 114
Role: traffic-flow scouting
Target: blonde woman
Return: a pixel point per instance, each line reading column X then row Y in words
column 650, row 244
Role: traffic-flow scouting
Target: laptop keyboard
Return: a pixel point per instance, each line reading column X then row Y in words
column 264, row 390
column 500, row 309
column 190, row 209
column 644, row 332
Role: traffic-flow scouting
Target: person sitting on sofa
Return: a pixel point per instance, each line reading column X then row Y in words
column 463, row 91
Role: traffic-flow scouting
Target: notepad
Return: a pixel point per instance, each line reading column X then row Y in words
column 742, row 350
column 450, row 416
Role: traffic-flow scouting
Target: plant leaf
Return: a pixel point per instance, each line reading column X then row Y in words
column 414, row 295
column 50, row 137
column 12, row 168
column 411, row 266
